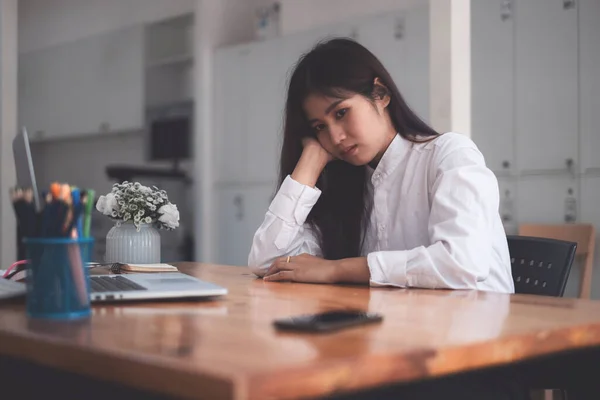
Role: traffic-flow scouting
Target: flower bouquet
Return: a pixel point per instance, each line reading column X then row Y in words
column 139, row 212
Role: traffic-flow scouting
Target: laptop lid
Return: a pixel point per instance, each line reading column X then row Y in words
column 24, row 166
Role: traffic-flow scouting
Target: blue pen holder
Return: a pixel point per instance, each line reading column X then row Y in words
column 58, row 284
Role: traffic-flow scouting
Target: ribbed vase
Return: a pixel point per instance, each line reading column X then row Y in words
column 124, row 244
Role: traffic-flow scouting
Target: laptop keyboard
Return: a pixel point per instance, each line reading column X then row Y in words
column 113, row 284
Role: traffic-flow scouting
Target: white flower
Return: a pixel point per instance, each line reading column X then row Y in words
column 132, row 201
column 169, row 215
column 107, row 204
column 145, row 189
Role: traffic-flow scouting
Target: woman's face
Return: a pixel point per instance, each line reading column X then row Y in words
column 355, row 129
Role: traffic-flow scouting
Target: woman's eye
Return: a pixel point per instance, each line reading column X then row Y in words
column 319, row 128
column 340, row 113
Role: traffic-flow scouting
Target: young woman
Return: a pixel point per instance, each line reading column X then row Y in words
column 370, row 194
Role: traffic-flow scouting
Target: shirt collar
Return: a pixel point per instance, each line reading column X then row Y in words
column 392, row 157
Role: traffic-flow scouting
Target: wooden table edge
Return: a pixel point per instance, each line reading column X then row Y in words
column 342, row 375
column 141, row 372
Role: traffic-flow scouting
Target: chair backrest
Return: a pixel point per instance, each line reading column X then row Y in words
column 540, row 266
column 585, row 237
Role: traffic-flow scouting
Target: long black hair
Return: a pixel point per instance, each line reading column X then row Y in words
column 340, row 68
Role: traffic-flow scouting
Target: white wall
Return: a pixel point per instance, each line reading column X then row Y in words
column 8, row 128
column 299, row 15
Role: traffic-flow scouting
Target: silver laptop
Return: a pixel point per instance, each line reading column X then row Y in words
column 156, row 285
column 138, row 286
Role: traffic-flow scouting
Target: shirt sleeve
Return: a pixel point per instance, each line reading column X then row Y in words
column 284, row 231
column 464, row 205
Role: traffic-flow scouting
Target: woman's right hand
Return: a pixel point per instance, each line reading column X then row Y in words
column 313, row 146
column 313, row 160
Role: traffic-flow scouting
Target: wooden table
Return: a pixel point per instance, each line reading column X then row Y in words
column 228, row 348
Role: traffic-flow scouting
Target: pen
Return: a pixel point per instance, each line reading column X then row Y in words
column 90, row 195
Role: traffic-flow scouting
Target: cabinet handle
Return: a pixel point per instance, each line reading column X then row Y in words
column 505, row 9
column 569, row 162
column 238, row 201
column 568, row 4
column 399, row 28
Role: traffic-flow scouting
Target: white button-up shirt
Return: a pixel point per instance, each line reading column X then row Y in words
column 434, row 221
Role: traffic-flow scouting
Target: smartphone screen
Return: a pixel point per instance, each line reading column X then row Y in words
column 327, row 321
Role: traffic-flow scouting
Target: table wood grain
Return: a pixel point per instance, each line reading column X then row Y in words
column 227, row 347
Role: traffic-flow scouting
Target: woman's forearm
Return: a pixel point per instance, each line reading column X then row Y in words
column 352, row 270
column 309, row 167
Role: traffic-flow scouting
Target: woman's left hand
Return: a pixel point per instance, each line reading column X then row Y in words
column 303, row 268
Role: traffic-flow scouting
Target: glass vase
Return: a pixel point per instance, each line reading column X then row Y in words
column 125, row 244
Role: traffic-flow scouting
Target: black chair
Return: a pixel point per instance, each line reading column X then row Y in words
column 540, row 266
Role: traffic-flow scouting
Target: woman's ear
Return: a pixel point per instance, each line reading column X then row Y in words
column 381, row 94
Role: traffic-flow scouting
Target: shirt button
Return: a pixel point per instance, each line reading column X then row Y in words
column 381, row 228
column 377, row 176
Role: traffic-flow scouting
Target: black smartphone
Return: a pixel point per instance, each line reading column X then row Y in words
column 327, row 321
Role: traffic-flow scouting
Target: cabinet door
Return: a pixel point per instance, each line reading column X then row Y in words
column 492, row 83
column 232, row 238
column 508, row 205
column 230, row 115
column 77, row 76
column 265, row 76
column 415, row 86
column 33, row 95
column 589, row 86
column 542, row 199
column 83, row 87
column 546, row 112
column 241, row 212
column 123, row 87
column 401, row 42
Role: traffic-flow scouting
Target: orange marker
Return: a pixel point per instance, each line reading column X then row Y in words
column 55, row 190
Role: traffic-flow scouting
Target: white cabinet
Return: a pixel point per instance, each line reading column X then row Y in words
column 91, row 85
column 492, row 96
column 123, row 80
column 589, row 84
column 264, row 104
column 60, row 89
column 546, row 87
column 249, row 104
column 241, row 210
column 233, row 239
column 401, row 42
